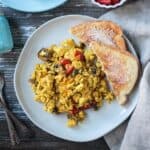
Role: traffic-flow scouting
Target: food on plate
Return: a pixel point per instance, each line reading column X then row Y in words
column 121, row 69
column 106, row 32
column 70, row 80
column 108, row 2
column 105, row 38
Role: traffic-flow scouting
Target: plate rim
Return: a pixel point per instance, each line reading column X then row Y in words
column 32, row 11
column 28, row 114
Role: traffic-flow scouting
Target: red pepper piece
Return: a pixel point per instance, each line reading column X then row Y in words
column 74, row 111
column 69, row 69
column 87, row 106
column 79, row 55
column 65, row 61
column 114, row 1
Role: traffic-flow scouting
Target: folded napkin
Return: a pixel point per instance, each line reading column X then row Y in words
column 134, row 134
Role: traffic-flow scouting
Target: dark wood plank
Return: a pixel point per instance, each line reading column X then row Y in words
column 22, row 25
column 43, row 140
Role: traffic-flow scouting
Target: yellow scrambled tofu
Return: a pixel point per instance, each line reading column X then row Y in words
column 70, row 80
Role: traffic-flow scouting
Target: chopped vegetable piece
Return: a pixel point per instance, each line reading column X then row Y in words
column 81, row 45
column 79, row 55
column 69, row 69
column 75, row 72
column 86, row 106
column 93, row 70
column 74, row 111
column 45, row 54
column 65, row 61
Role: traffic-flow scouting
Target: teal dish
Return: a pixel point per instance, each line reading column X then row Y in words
column 33, row 5
column 6, row 42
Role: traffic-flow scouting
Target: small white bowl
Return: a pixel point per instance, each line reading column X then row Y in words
column 109, row 6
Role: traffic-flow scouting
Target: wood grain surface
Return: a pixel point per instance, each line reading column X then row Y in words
column 22, row 25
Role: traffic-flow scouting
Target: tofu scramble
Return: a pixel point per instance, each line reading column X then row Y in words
column 69, row 80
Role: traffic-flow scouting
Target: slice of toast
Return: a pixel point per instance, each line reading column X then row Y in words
column 121, row 69
column 105, row 32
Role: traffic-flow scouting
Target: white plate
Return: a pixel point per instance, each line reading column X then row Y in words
column 97, row 123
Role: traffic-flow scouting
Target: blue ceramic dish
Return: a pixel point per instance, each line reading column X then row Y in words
column 33, row 5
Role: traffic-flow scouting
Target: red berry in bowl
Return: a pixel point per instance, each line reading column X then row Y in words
column 108, row 2
column 105, row 2
column 113, row 2
column 65, row 61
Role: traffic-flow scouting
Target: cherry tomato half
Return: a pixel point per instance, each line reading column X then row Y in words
column 69, row 69
column 65, row 61
column 79, row 55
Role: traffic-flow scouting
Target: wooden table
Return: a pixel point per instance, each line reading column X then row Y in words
column 22, row 25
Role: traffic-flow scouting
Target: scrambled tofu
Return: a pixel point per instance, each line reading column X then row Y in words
column 70, row 80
